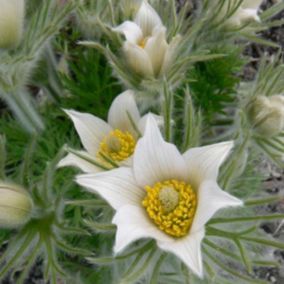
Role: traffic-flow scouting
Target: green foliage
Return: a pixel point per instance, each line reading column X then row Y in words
column 90, row 83
column 214, row 82
column 71, row 229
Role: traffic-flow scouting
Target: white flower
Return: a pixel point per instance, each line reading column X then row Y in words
column 166, row 196
column 11, row 22
column 247, row 11
column 114, row 140
column 146, row 48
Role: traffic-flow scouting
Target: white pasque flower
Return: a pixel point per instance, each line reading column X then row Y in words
column 11, row 22
column 115, row 139
column 165, row 195
column 247, row 11
column 146, row 49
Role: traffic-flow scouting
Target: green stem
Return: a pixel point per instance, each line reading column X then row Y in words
column 221, row 250
column 143, row 248
column 87, row 158
column 167, row 112
column 257, row 202
column 2, row 157
column 32, row 259
column 246, row 219
column 17, row 256
column 243, row 254
column 156, row 271
column 186, row 273
column 21, row 105
column 87, row 203
column 278, row 245
column 224, row 267
column 106, row 260
column 109, row 160
column 230, row 170
column 134, row 125
column 132, row 278
column 96, row 226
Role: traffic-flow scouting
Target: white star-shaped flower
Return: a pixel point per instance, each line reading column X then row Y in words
column 108, row 142
column 166, row 196
column 146, row 48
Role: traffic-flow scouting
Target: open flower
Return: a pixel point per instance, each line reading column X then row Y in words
column 11, row 22
column 146, row 49
column 107, row 143
column 165, row 195
column 246, row 12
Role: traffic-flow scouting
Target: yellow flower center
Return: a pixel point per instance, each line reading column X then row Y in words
column 171, row 204
column 117, row 146
column 142, row 42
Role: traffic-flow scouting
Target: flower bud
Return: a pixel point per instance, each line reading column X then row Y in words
column 245, row 12
column 266, row 115
column 130, row 7
column 15, row 205
column 11, row 22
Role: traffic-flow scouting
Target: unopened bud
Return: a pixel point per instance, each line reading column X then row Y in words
column 266, row 115
column 239, row 13
column 11, row 22
column 15, row 205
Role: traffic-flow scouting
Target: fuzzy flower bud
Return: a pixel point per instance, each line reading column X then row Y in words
column 266, row 115
column 15, row 205
column 11, row 22
column 130, row 7
column 246, row 12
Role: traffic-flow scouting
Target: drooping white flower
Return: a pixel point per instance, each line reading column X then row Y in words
column 247, row 11
column 146, row 49
column 11, row 22
column 165, row 195
column 115, row 139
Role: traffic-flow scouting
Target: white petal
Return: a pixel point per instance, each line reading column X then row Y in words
column 147, row 18
column 211, row 198
column 138, row 59
column 251, row 4
column 156, row 48
column 122, row 107
column 248, row 14
column 131, row 30
column 90, row 128
column 188, row 249
column 127, row 162
column 170, row 55
column 203, row 162
column 82, row 164
column 156, row 160
column 143, row 121
column 118, row 187
column 133, row 224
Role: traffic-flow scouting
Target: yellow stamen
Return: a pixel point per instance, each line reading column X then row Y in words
column 117, row 146
column 142, row 42
column 171, row 204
